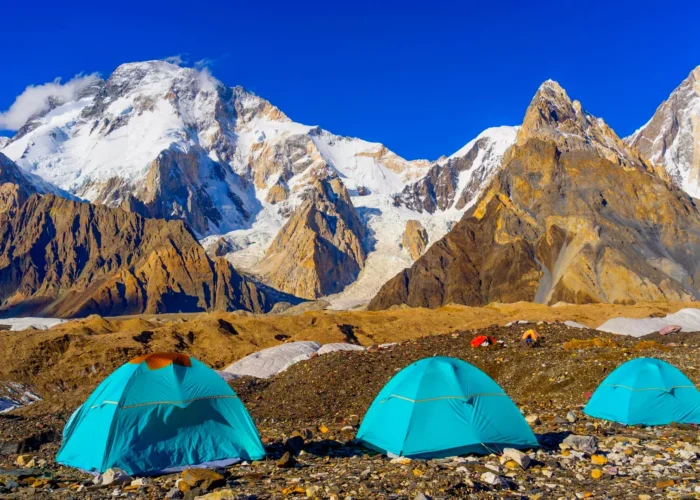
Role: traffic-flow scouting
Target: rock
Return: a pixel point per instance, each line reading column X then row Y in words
column 115, row 477
column 23, row 460
column 570, row 417
column 400, row 460
column 533, row 419
column 353, row 420
column 224, row 494
column 294, row 444
column 520, row 458
column 174, row 493
column 421, row 496
column 313, row 492
column 415, row 238
column 205, row 479
column 287, row 461
column 585, row 444
column 493, row 479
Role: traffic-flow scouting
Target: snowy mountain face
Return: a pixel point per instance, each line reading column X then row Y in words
column 458, row 180
column 173, row 142
column 672, row 137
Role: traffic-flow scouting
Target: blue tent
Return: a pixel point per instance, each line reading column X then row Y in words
column 441, row 407
column 159, row 412
column 646, row 391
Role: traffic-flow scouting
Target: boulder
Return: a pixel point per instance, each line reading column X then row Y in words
column 585, row 444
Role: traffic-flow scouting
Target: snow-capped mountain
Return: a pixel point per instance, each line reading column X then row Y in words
column 172, row 142
column 672, row 137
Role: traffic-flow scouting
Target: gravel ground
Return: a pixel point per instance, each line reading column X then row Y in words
column 314, row 407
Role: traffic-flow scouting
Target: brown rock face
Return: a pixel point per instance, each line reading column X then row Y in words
column 67, row 259
column 319, row 249
column 15, row 187
column 574, row 215
column 415, row 238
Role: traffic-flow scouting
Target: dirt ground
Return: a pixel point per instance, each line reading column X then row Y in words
column 324, row 398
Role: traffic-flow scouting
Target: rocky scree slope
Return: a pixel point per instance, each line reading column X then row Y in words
column 574, row 215
column 65, row 258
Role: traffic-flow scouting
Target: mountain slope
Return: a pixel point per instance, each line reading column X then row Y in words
column 319, row 249
column 672, row 137
column 65, row 258
column 573, row 215
column 164, row 141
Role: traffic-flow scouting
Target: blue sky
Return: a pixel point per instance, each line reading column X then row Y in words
column 423, row 78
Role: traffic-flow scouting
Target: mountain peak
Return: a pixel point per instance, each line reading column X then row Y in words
column 553, row 117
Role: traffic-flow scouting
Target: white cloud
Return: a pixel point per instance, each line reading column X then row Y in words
column 177, row 59
column 35, row 99
column 203, row 63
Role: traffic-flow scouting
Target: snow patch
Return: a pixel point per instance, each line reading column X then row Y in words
column 18, row 324
column 688, row 319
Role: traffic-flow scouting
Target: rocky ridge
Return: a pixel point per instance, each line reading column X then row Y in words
column 319, row 249
column 574, row 215
column 64, row 258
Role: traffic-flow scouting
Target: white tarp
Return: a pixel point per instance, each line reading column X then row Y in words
column 687, row 319
column 17, row 324
column 338, row 346
column 271, row 361
column 14, row 395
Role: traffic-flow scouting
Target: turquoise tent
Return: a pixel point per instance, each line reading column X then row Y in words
column 160, row 412
column 646, row 391
column 440, row 407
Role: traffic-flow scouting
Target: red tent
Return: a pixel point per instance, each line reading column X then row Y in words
column 483, row 341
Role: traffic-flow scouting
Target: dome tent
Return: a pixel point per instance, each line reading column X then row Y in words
column 646, row 391
column 159, row 412
column 440, row 407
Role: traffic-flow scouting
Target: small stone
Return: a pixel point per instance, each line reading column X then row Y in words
column 174, row 493
column 571, row 417
column 493, row 479
column 585, row 444
column 203, row 478
column 522, row 459
column 400, row 460
column 291, row 490
column 533, row 419
column 224, row 494
column 421, row 496
column 115, row 477
column 23, row 460
column 313, row 492
column 353, row 420
column 665, row 484
column 287, row 461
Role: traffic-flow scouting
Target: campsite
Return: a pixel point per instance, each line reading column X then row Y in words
column 309, row 417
